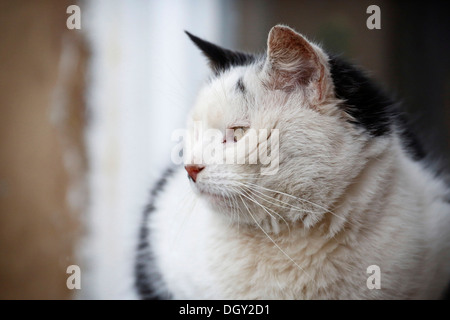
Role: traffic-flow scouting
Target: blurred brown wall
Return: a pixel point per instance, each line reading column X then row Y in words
column 37, row 227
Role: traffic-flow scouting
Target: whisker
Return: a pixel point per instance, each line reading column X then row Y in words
column 251, row 199
column 276, row 245
column 237, row 207
column 304, row 200
column 267, row 196
column 266, row 208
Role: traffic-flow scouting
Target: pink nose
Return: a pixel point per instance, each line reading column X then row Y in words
column 193, row 171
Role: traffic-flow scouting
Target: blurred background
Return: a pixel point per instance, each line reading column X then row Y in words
column 87, row 115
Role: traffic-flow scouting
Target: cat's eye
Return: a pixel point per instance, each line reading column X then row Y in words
column 234, row 134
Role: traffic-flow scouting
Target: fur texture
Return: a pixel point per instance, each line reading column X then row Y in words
column 349, row 193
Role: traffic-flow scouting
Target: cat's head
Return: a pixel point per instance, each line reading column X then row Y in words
column 289, row 91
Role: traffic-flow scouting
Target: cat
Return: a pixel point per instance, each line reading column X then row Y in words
column 353, row 190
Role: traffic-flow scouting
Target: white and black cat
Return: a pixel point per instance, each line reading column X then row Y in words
column 352, row 190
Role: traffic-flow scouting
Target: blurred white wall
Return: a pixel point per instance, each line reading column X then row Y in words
column 144, row 75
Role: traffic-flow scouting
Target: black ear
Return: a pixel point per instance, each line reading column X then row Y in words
column 221, row 59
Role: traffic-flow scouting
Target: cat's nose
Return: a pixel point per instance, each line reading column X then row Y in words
column 193, row 170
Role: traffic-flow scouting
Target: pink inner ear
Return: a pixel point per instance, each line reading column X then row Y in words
column 292, row 59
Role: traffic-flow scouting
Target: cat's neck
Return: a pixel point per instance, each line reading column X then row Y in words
column 390, row 184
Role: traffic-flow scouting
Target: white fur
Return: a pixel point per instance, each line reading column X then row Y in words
column 365, row 202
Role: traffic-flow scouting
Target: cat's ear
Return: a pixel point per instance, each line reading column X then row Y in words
column 293, row 61
column 220, row 59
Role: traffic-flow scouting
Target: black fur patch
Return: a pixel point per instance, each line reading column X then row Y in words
column 240, row 86
column 364, row 101
column 143, row 280
column 370, row 106
column 221, row 59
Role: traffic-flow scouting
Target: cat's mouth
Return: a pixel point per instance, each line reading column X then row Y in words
column 213, row 196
